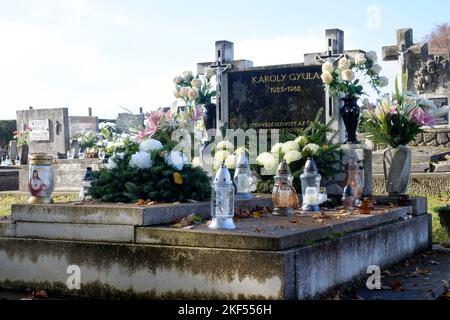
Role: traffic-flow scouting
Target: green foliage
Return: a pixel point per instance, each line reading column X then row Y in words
column 392, row 129
column 328, row 154
column 7, row 128
column 126, row 184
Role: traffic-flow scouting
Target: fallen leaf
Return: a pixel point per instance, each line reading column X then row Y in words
column 40, row 294
column 177, row 178
column 141, row 202
column 396, row 286
column 257, row 214
column 259, row 230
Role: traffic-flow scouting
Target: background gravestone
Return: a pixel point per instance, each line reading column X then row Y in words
column 429, row 74
column 50, row 132
column 276, row 97
column 126, row 121
column 82, row 125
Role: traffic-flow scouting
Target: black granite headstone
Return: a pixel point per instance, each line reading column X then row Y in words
column 281, row 97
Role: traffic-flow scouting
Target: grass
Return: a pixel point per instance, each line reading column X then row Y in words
column 439, row 234
column 8, row 199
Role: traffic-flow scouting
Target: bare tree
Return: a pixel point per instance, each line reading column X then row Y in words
column 439, row 39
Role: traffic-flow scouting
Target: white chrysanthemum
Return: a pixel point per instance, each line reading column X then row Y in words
column 344, row 64
column 327, row 67
column 221, row 156
column 225, row 145
column 111, row 164
column 193, row 94
column 176, row 159
column 184, row 91
column 277, row 148
column 196, row 162
column 327, row 77
column 372, row 56
column 268, row 161
column 301, row 141
column 290, row 146
column 196, row 83
column 209, row 72
column 348, row 75
column 292, row 156
column 376, row 68
column 141, row 160
column 230, row 162
column 311, row 149
column 384, row 81
column 360, row 59
column 150, row 145
column 240, row 151
column 188, row 75
column 178, row 79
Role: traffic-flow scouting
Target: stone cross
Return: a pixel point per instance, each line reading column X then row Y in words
column 405, row 52
column 224, row 61
column 334, row 51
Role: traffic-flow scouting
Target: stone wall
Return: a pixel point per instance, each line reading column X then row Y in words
column 434, row 138
column 419, row 184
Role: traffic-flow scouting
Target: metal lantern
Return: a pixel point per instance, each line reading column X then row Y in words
column 222, row 204
column 40, row 181
column 284, row 195
column 243, row 178
column 310, row 180
column 86, row 184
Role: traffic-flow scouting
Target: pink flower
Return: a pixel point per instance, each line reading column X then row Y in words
column 422, row 118
column 393, row 110
column 169, row 115
column 198, row 113
column 147, row 132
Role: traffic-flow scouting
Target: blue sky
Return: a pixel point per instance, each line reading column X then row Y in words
column 110, row 53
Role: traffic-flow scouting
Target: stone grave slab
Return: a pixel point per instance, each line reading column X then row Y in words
column 78, row 232
column 120, row 214
column 7, row 228
column 270, row 232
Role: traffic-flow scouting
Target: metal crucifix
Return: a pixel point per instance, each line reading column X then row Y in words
column 220, row 68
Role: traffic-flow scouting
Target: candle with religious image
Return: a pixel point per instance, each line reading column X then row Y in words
column 41, row 179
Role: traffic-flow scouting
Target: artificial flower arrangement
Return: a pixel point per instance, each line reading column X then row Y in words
column 151, row 171
column 195, row 90
column 399, row 118
column 314, row 141
column 22, row 136
column 146, row 166
column 351, row 75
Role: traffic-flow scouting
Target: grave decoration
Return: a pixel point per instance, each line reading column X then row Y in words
column 311, row 179
column 348, row 82
column 148, row 167
column 22, row 136
column 284, row 195
column 222, row 201
column 314, row 141
column 395, row 122
column 194, row 91
column 41, row 179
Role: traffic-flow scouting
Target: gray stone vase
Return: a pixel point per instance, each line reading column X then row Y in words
column 397, row 170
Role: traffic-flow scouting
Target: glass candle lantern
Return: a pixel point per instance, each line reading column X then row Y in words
column 348, row 198
column 243, row 178
column 86, row 184
column 354, row 179
column 222, row 201
column 310, row 179
column 40, row 181
column 284, row 195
